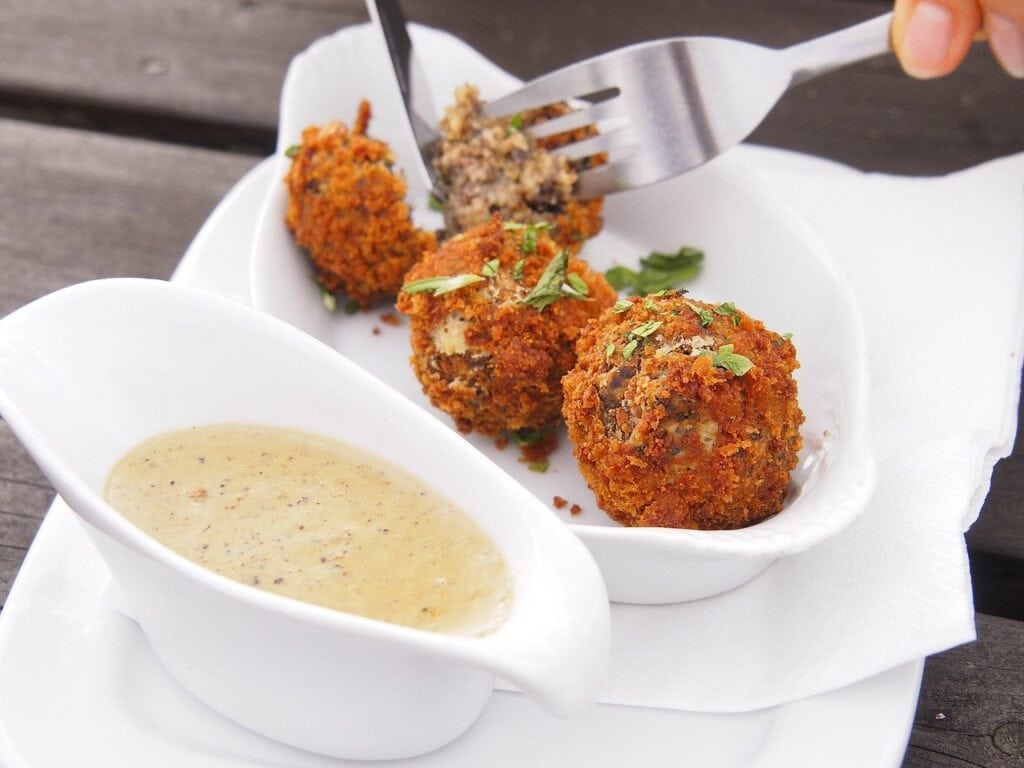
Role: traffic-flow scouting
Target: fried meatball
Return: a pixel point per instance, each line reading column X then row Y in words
column 347, row 209
column 684, row 414
column 489, row 166
column 493, row 352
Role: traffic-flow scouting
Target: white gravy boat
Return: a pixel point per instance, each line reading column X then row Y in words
column 88, row 372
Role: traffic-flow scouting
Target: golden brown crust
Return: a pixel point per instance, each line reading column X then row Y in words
column 347, row 209
column 490, row 361
column 668, row 438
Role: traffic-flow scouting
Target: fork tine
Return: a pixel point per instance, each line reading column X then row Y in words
column 596, row 145
column 577, row 119
column 576, row 80
column 604, row 180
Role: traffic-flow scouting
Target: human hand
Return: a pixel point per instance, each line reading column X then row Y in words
column 931, row 37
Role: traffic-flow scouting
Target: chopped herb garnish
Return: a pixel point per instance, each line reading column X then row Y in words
column 328, row 299
column 527, row 436
column 441, row 285
column 658, row 271
column 725, row 358
column 517, row 270
column 621, row 306
column 490, row 269
column 787, row 336
column 629, row 349
column 578, row 284
column 529, row 241
column 539, row 466
column 434, row 202
column 516, row 122
column 351, row 307
column 549, row 287
column 609, row 350
column 706, row 318
column 728, row 309
column 646, row 329
column 651, row 306
column 529, row 244
column 293, row 151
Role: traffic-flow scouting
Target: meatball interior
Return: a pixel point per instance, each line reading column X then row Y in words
column 491, row 166
column 684, row 414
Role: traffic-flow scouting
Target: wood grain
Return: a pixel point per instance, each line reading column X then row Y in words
column 971, row 710
column 209, row 72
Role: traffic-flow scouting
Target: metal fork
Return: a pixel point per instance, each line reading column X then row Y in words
column 665, row 107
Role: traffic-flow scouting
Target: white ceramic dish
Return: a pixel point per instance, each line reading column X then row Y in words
column 90, row 371
column 71, row 662
column 759, row 255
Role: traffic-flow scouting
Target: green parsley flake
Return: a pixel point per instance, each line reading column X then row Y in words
column 549, row 288
column 621, row 306
column 351, row 307
column 787, row 336
column 539, row 466
column 629, row 349
column 441, row 285
column 578, row 284
column 609, row 350
column 706, row 318
column 517, row 270
column 725, row 358
column 328, row 299
column 658, row 272
column 516, row 122
column 527, row 436
column 293, row 151
column 490, row 269
column 434, row 202
column 646, row 329
column 529, row 244
column 728, row 309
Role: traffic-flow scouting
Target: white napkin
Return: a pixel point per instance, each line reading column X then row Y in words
column 938, row 266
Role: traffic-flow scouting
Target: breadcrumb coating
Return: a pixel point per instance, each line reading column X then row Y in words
column 347, row 210
column 490, row 361
column 665, row 433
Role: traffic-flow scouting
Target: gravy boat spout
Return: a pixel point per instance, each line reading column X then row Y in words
column 90, row 371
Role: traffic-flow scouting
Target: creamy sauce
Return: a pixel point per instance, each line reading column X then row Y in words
column 314, row 519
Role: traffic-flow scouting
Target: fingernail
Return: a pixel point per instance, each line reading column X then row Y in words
column 926, row 39
column 1007, row 42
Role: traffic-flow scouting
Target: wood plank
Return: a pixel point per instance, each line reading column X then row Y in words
column 210, row 71
column 971, row 710
column 80, row 206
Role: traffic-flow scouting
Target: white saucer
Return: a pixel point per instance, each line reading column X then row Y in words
column 79, row 685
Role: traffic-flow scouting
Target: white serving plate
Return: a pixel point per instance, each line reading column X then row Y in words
column 79, row 684
column 759, row 254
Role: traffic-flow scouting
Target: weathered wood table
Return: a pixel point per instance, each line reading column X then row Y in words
column 123, row 123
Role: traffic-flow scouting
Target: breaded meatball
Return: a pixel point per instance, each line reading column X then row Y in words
column 347, row 209
column 684, row 414
column 490, row 166
column 492, row 353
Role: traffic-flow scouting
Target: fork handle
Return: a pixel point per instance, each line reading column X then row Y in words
column 847, row 46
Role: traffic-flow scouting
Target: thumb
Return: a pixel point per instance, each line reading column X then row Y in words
column 931, row 37
column 1004, row 27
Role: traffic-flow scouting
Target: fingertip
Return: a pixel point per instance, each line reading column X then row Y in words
column 1006, row 39
column 931, row 37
